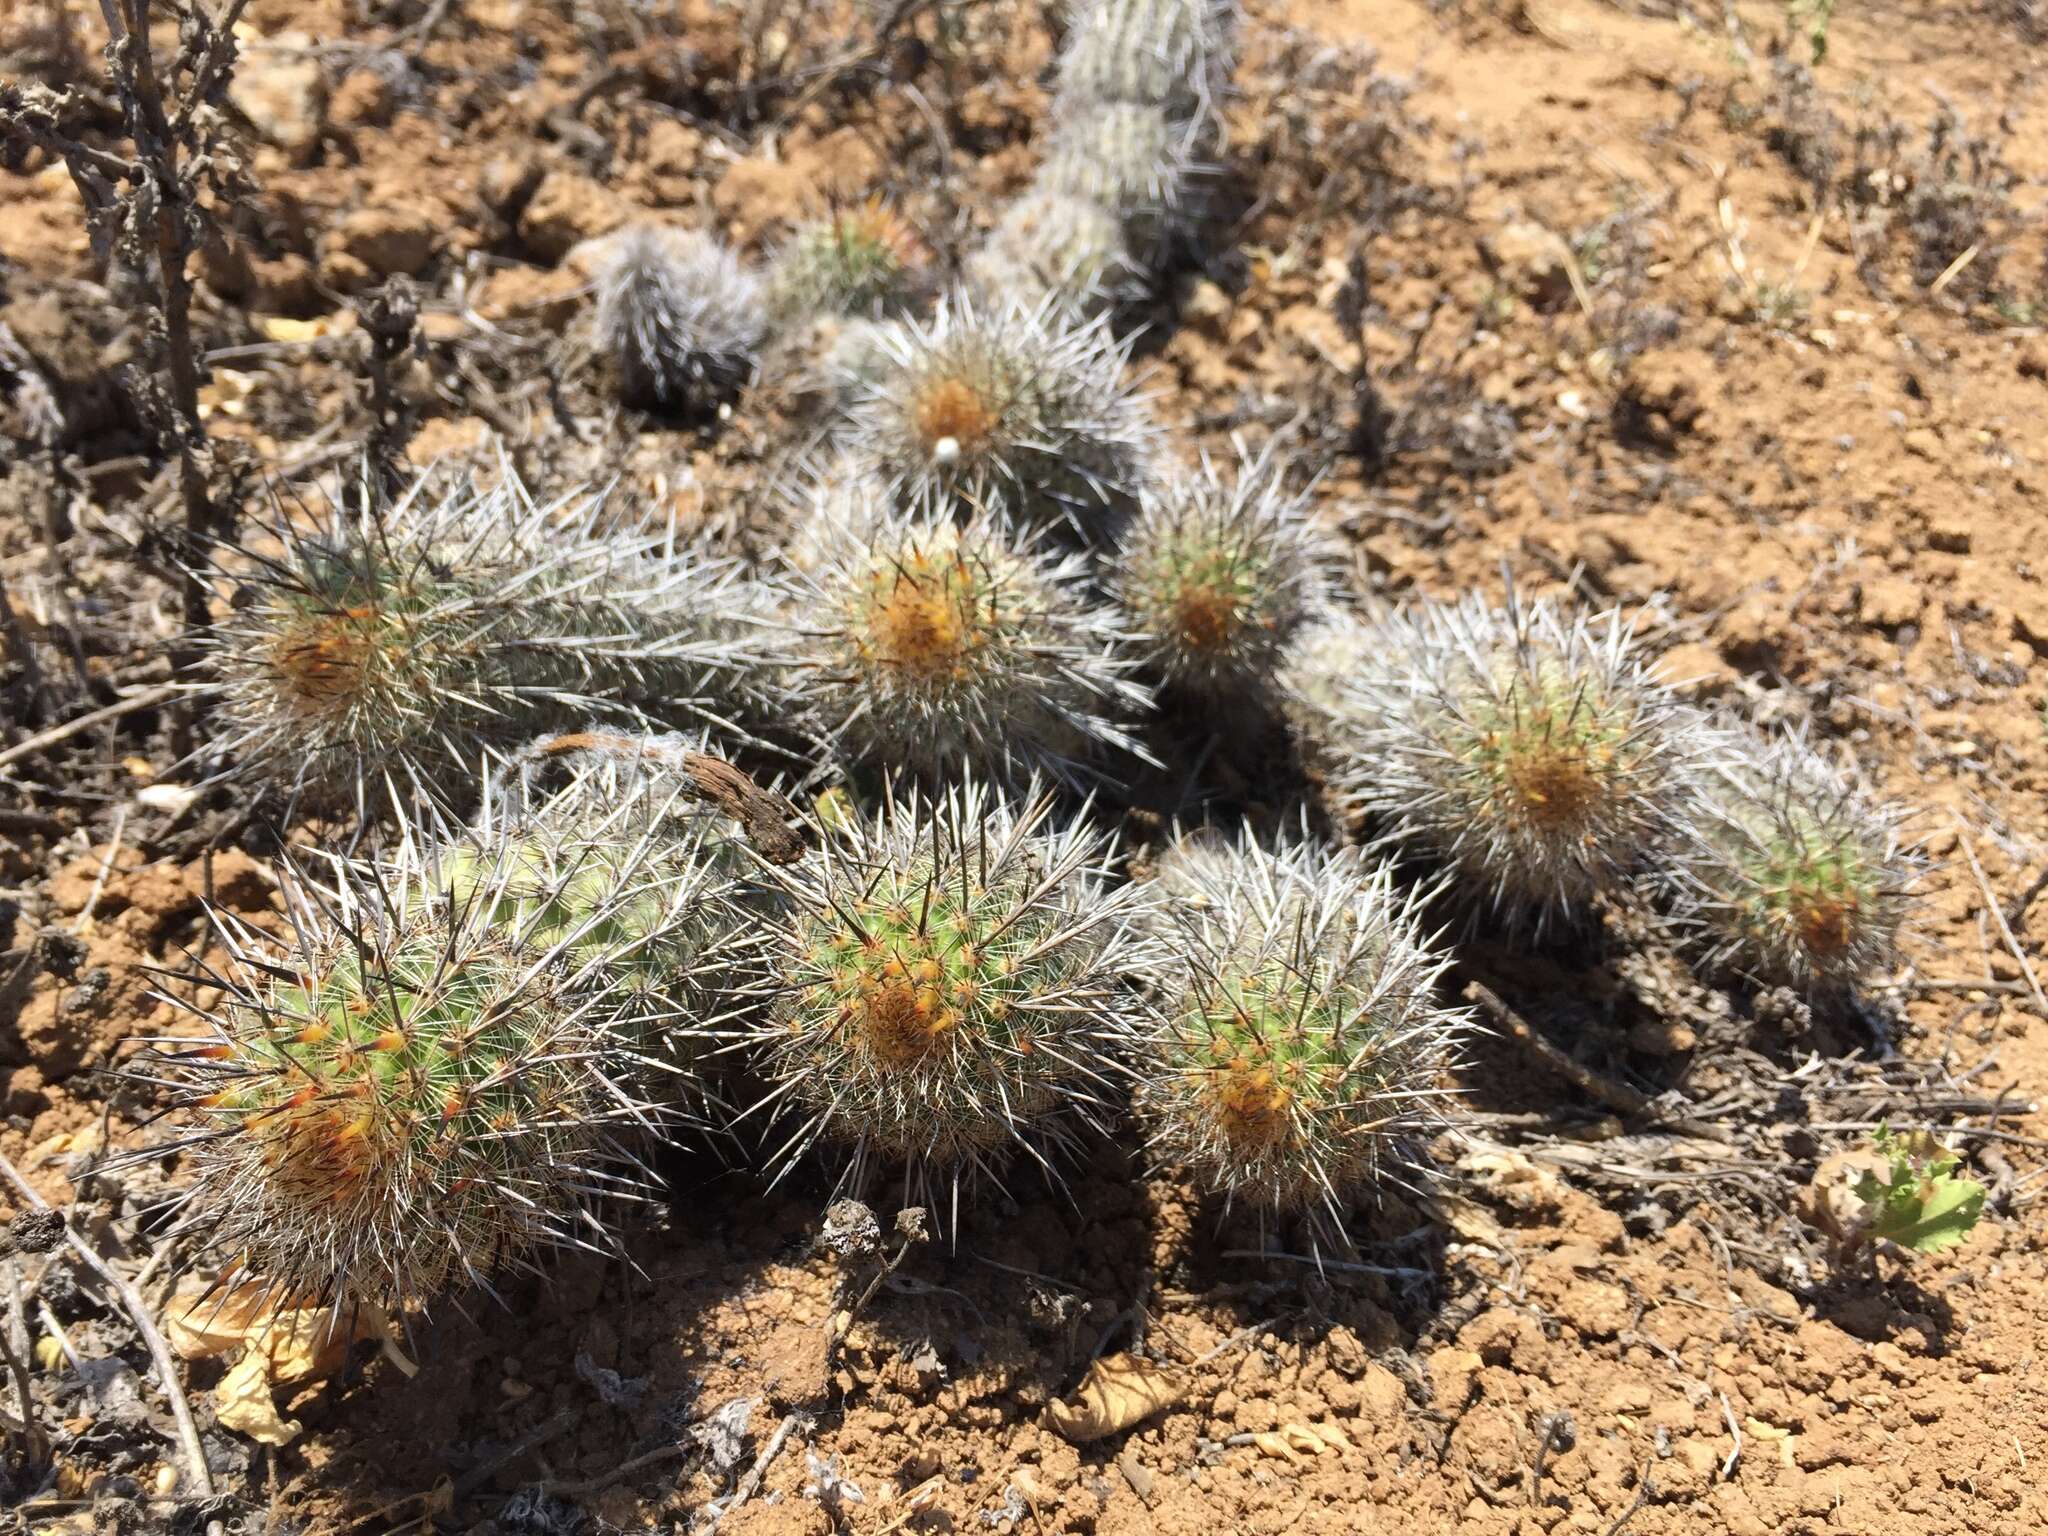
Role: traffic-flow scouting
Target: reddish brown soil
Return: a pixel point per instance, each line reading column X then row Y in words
column 1827, row 498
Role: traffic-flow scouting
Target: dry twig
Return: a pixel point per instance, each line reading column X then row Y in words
column 159, row 1351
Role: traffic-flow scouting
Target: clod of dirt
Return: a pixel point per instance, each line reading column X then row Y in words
column 565, row 210
column 36, row 1230
column 277, row 85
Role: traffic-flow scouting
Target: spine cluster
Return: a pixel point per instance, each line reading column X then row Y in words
column 1299, row 1040
column 1788, row 876
column 452, row 1060
column 377, row 659
column 1527, row 748
column 680, row 317
column 982, row 407
column 953, row 988
column 861, row 262
column 922, row 642
column 1216, row 576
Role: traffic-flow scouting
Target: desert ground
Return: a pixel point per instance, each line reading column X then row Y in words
column 1730, row 315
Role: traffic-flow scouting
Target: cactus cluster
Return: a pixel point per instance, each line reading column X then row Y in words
column 1787, row 875
column 460, row 1052
column 1528, row 748
column 680, row 317
column 1217, row 574
column 922, row 642
column 453, row 1060
column 980, row 407
column 375, row 659
column 953, row 988
column 1299, row 1041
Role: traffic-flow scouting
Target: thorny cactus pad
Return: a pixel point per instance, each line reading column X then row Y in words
column 1217, row 574
column 1132, row 160
column 1060, row 251
column 921, row 642
column 1788, row 874
column 375, row 660
column 952, row 990
column 1005, row 404
column 1529, row 749
column 448, row 1062
column 858, row 262
column 1173, row 54
column 681, row 317
column 1300, row 1040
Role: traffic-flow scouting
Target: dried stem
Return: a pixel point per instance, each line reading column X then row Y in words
column 138, row 1310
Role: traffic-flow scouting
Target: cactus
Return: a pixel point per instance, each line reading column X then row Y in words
column 1300, row 1041
column 1058, row 250
column 1217, row 574
column 1788, row 876
column 1527, row 748
column 920, row 642
column 376, row 661
column 952, row 991
column 861, row 261
column 680, row 315
column 447, row 1063
column 1318, row 671
column 1005, row 404
column 1132, row 160
column 1173, row 54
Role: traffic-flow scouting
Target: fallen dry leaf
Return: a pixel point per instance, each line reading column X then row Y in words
column 281, row 1346
column 1117, row 1392
column 243, row 1403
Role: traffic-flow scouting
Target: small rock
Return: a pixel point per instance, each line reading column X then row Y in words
column 1923, row 443
column 565, row 210
column 36, row 1230
column 755, row 195
column 1889, row 602
column 508, row 181
column 1205, row 302
column 278, row 88
column 362, row 100
column 1136, row 1474
column 386, row 241
column 1383, row 1397
column 1531, row 258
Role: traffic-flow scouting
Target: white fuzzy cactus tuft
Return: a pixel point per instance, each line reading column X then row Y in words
column 681, row 318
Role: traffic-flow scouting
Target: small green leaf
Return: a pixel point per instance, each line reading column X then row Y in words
column 1951, row 1209
column 1922, row 1205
